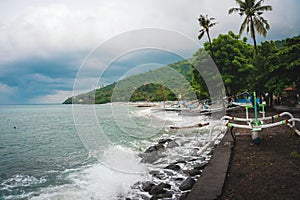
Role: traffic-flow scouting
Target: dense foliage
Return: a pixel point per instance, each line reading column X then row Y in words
column 278, row 67
column 152, row 92
column 273, row 69
column 234, row 60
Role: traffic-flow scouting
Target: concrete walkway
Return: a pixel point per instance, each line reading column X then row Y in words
column 209, row 185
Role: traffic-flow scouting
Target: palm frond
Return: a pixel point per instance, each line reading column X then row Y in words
column 264, row 8
column 231, row 10
column 248, row 4
column 202, row 21
column 265, row 22
column 258, row 4
column 264, row 26
column 244, row 26
column 201, row 34
column 239, row 2
column 212, row 24
column 259, row 26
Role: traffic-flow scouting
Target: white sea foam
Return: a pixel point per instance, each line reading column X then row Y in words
column 20, row 180
column 112, row 178
column 123, row 160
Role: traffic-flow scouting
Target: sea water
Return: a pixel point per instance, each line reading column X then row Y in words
column 82, row 151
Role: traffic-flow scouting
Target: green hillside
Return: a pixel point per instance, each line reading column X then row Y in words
column 166, row 83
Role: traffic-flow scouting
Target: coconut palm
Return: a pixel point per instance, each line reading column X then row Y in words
column 206, row 23
column 253, row 22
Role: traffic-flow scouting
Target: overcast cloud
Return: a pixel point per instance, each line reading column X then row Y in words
column 44, row 42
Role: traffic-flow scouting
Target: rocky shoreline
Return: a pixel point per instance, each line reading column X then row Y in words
column 172, row 177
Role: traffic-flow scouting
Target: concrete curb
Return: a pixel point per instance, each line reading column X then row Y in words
column 210, row 184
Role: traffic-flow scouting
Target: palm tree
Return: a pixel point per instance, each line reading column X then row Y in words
column 253, row 22
column 206, row 23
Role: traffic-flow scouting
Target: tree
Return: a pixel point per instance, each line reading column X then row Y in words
column 206, row 23
column 263, row 63
column 277, row 67
column 200, row 59
column 234, row 60
column 253, row 21
column 284, row 71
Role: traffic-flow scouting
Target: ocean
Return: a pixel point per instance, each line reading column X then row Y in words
column 87, row 151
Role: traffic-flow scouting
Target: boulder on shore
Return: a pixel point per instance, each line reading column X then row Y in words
column 155, row 148
column 167, row 194
column 147, row 186
column 163, row 141
column 194, row 172
column 172, row 144
column 200, row 166
column 187, row 184
column 173, row 167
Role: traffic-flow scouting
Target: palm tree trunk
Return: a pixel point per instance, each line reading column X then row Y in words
column 253, row 36
column 210, row 45
column 255, row 45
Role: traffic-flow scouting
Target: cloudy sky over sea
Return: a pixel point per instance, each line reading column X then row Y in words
column 43, row 43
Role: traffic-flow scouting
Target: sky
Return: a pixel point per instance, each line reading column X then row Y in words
column 45, row 44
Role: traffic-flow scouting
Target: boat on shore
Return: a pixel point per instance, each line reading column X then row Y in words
column 243, row 99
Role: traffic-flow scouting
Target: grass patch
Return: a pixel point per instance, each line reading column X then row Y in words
column 295, row 154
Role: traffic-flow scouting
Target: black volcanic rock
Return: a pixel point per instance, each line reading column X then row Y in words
column 147, row 186
column 163, row 141
column 194, row 172
column 173, row 167
column 200, row 166
column 172, row 144
column 187, row 184
column 157, row 190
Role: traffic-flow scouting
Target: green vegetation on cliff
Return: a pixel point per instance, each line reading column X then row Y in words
column 166, row 83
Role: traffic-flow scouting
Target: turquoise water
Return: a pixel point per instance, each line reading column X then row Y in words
column 46, row 146
column 37, row 143
column 84, row 151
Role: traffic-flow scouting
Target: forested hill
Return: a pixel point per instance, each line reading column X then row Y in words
column 156, row 85
column 273, row 69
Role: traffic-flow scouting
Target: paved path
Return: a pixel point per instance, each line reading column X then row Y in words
column 210, row 184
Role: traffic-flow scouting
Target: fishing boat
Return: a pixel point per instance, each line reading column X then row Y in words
column 243, row 99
